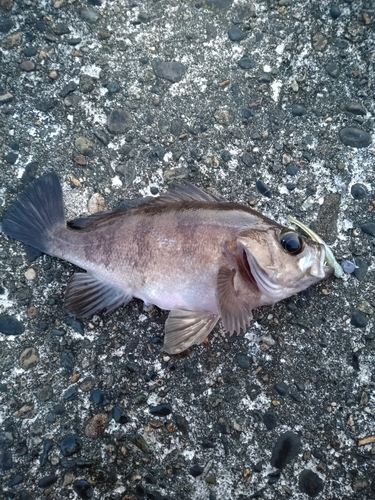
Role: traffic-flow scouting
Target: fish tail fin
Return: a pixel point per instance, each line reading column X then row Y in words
column 37, row 210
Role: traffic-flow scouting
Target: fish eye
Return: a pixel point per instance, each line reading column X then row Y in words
column 291, row 242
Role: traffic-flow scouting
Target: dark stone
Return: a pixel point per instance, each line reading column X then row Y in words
column 236, row 35
column 83, row 488
column 263, row 189
column 358, row 191
column 273, row 477
column 269, row 419
column 196, row 470
column 171, row 71
column 47, row 447
column 61, row 29
column 119, row 415
column 292, row 169
column 98, row 397
column 362, row 266
column 46, row 105
column 13, row 481
column 355, row 137
column 296, row 396
column 30, row 52
column 145, row 17
column 282, row 388
column 89, row 15
column 161, row 410
column 243, row 361
column 248, row 159
column 58, row 409
column 119, row 121
column 86, row 83
column 335, row 12
column 368, row 228
column 68, row 89
column 75, row 324
column 355, row 361
column 10, row 325
column 30, row 172
column 74, row 41
column 310, row 483
column 46, row 481
column 70, row 445
column 298, row 110
column 41, row 25
column 5, row 25
column 102, row 136
column 258, row 467
column 333, row 69
column 359, row 319
column 113, row 87
column 226, row 156
column 287, row 447
column 11, row 158
column 58, row 332
column 70, row 393
column 300, row 386
column 67, row 360
column 253, row 391
column 246, row 63
column 6, row 461
column 355, row 108
column 182, row 423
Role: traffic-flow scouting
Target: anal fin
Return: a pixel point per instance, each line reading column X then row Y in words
column 235, row 312
column 85, row 295
column 184, row 328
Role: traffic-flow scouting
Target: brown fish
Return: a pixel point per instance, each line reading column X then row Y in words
column 190, row 252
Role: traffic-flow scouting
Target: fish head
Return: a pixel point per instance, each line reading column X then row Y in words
column 279, row 262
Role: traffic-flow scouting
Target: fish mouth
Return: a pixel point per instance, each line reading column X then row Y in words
column 261, row 280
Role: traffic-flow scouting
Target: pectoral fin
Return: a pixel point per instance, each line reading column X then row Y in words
column 235, row 312
column 184, row 328
column 85, row 295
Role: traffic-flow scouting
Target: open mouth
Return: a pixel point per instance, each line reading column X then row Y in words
column 247, row 272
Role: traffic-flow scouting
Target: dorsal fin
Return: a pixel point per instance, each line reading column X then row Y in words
column 187, row 192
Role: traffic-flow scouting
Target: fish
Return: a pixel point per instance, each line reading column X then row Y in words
column 190, row 252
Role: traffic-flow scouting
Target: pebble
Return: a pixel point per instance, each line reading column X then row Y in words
column 11, row 158
column 46, row 481
column 68, row 89
column 4, row 98
column 84, row 146
column 75, row 324
column 348, row 266
column 30, row 274
column 5, row 25
column 333, row 69
column 243, row 361
column 119, row 121
column 298, row 110
column 101, row 135
column 196, row 470
column 355, row 137
column 6, row 460
column 358, row 191
column 10, row 325
column 223, row 116
column 282, row 388
column 248, row 159
column 47, row 447
column 104, row 35
column 96, row 426
column 236, row 35
column 70, row 445
column 287, row 447
column 119, row 416
column 28, row 358
column 172, row 71
column 246, row 63
column 270, row 421
column 13, row 481
column 83, row 488
column 263, row 189
column 359, row 319
column 74, row 41
column 113, row 87
column 96, row 203
column 319, row 42
column 368, row 228
column 86, row 84
column 12, row 41
column 335, row 12
column 356, row 108
column 30, row 52
column 89, row 15
column 161, row 410
column 361, row 268
column 310, row 483
column 53, row 75
column 98, row 397
column 139, row 442
column 70, row 393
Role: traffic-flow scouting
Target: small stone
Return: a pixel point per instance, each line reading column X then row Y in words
column 96, row 203
column 29, row 357
column 310, row 483
column 224, row 116
column 8, row 97
column 361, row 268
column 70, row 445
column 359, row 319
column 298, row 110
column 83, row 488
column 74, row 41
column 358, row 191
column 47, row 481
column 96, row 426
column 15, row 480
column 119, row 415
column 11, row 158
column 27, row 66
column 270, row 421
column 282, row 388
column 86, row 83
column 10, row 325
column 6, row 461
column 319, row 42
column 53, row 75
column 74, row 181
column 243, row 361
column 171, row 71
column 104, row 35
column 80, row 160
column 348, row 267
column 113, row 87
column 356, row 108
column 161, row 410
column 368, row 228
column 68, row 89
column 119, row 121
column 84, row 146
column 101, row 135
column 355, row 137
column 335, row 12
column 236, row 35
column 12, row 41
column 263, row 189
column 246, row 63
column 248, row 159
column 287, row 447
column 89, row 15
column 196, row 470
column 61, row 29
column 30, row 274
column 139, row 442
column 333, row 69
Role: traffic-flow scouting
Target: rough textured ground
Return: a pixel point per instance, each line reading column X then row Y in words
column 267, row 102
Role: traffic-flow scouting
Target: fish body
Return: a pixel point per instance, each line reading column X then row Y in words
column 192, row 253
